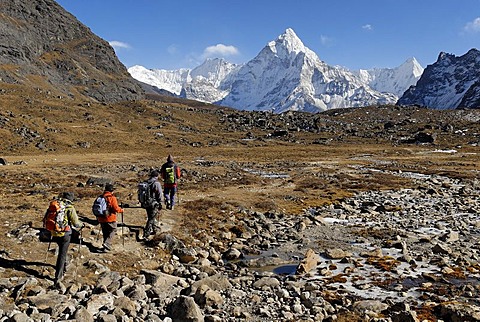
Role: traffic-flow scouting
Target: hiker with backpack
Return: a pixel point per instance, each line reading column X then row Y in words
column 108, row 221
column 150, row 197
column 170, row 174
column 59, row 219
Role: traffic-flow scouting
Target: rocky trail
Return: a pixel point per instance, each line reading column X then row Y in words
column 393, row 255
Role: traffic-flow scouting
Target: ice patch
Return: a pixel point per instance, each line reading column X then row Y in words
column 267, row 174
column 444, row 151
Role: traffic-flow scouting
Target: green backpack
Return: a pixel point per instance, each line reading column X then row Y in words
column 170, row 175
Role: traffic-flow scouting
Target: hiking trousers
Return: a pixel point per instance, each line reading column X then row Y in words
column 169, row 194
column 61, row 265
column 108, row 231
column 151, row 226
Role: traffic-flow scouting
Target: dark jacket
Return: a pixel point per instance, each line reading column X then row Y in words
column 156, row 188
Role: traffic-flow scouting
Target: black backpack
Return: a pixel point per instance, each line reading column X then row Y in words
column 145, row 194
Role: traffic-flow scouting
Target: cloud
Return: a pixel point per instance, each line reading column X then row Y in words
column 219, row 50
column 367, row 27
column 326, row 41
column 473, row 26
column 118, row 44
column 172, row 49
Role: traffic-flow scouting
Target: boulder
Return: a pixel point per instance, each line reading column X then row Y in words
column 308, row 263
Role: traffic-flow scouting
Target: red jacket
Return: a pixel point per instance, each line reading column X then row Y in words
column 112, row 207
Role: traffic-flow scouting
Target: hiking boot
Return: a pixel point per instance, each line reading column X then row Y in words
column 58, row 285
column 106, row 248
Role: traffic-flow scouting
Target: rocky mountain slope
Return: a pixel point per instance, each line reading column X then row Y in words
column 285, row 75
column 450, row 82
column 42, row 45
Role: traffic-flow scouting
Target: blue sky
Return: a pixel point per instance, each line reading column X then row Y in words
column 355, row 34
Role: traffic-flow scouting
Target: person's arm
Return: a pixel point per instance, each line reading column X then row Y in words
column 177, row 172
column 73, row 217
column 158, row 191
column 113, row 205
column 162, row 172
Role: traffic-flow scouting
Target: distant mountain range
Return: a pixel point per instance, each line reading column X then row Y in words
column 44, row 47
column 285, row 75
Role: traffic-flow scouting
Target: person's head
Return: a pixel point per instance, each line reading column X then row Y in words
column 109, row 187
column 67, row 195
column 170, row 158
column 154, row 174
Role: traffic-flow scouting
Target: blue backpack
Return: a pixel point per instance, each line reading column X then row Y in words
column 99, row 207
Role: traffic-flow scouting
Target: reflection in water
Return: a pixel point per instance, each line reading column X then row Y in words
column 285, row 269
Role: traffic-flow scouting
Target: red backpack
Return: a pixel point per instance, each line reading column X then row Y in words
column 55, row 219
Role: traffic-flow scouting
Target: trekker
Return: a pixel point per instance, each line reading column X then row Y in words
column 170, row 174
column 62, row 236
column 109, row 222
column 155, row 205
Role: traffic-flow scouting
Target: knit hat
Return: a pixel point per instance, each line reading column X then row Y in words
column 109, row 187
column 67, row 196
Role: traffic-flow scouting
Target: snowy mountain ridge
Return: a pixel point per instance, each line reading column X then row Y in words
column 285, row 75
column 393, row 80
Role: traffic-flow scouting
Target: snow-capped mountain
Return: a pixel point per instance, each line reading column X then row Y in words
column 449, row 83
column 207, row 82
column 210, row 82
column 170, row 80
column 393, row 80
column 285, row 75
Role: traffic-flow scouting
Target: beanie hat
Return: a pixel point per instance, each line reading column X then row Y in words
column 109, row 187
column 67, row 195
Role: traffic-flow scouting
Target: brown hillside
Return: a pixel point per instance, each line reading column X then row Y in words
column 45, row 47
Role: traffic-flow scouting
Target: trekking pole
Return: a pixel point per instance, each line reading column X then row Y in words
column 46, row 255
column 123, row 224
column 178, row 195
column 79, row 248
column 99, row 230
